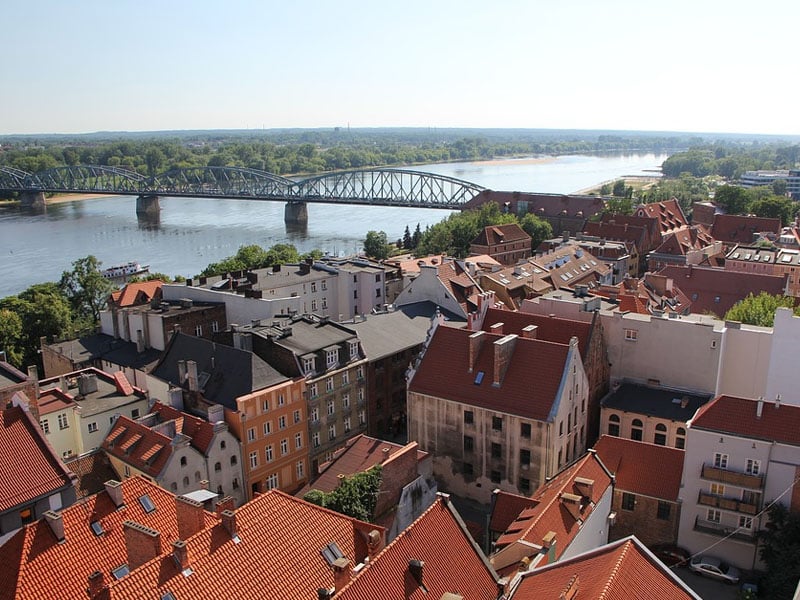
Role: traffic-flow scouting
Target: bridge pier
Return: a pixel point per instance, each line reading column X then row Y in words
column 147, row 205
column 295, row 212
column 34, row 200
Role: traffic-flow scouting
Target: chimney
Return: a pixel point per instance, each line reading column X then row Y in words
column 180, row 552
column 572, row 503
column 475, row 343
column 141, row 543
column 549, row 544
column 114, row 491
column 176, row 398
column 584, row 485
column 759, row 407
column 87, row 383
column 684, row 401
column 778, row 401
column 181, row 372
column 189, row 515
column 496, row 328
column 341, row 573
column 56, row 524
column 96, row 584
column 216, row 413
column 204, row 484
column 374, row 543
column 33, row 403
column 229, row 522
column 503, row 349
column 571, row 590
column 529, row 332
column 415, row 567
column 191, row 369
column 226, row 503
column 139, row 341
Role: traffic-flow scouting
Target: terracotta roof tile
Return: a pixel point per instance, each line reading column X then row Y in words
column 739, row 229
column 137, row 445
column 668, row 212
column 738, row 416
column 28, row 466
column 452, row 563
column 137, row 293
column 617, row 571
column 549, row 329
column 642, row 468
column 505, row 510
column 444, row 372
column 93, row 470
column 199, row 430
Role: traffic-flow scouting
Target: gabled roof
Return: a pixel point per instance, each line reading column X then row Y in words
column 739, row 416
column 528, row 388
column 134, row 294
column 200, row 431
column 452, row 563
column 668, row 212
column 551, row 513
column 141, row 447
column 739, row 229
column 506, row 507
column 459, row 283
column 93, row 469
column 388, row 333
column 492, row 235
column 104, row 347
column 680, row 242
column 613, row 230
column 46, row 568
column 29, row 469
column 618, row 571
column 10, row 375
column 543, row 205
column 642, row 468
column 569, row 265
column 277, row 555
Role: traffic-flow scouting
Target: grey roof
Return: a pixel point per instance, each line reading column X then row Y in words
column 655, row 402
column 105, row 347
column 107, row 398
column 10, row 376
column 385, row 334
column 234, row 372
column 307, row 335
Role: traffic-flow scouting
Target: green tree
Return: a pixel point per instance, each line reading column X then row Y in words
column 780, row 547
column 776, row 207
column 415, row 239
column 536, row 227
column 282, row 254
column 86, row 288
column 407, row 239
column 779, row 187
column 734, row 199
column 355, row 496
column 154, row 159
column 759, row 310
column 619, row 206
column 619, row 188
column 11, row 336
column 376, row 245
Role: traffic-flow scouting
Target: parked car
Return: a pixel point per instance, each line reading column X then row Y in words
column 711, row 566
column 671, row 555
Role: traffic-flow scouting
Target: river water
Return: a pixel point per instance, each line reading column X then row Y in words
column 193, row 232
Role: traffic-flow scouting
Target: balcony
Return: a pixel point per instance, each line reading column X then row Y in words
column 726, row 503
column 729, row 477
column 723, row 530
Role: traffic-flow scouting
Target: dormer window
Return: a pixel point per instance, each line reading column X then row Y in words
column 353, row 350
column 308, row 365
column 331, row 357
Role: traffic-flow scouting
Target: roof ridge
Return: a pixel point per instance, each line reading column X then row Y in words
column 626, row 546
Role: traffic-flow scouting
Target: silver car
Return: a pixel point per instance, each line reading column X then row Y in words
column 711, row 566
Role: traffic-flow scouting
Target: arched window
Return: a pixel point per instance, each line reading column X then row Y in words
column 660, row 437
column 613, row 425
column 197, row 476
column 636, row 430
column 233, row 460
column 183, row 461
column 217, row 467
column 222, row 445
column 680, row 438
column 185, row 482
column 173, row 486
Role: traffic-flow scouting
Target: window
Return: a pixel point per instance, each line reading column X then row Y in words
column 284, row 447
column 332, row 432
column 345, row 377
column 628, row 501
column 331, row 407
column 271, row 482
column 680, row 439
column 524, row 485
column 217, row 467
column 301, row 469
column 323, row 285
column 267, row 427
column 315, row 439
column 45, row 425
column 269, row 454
column 636, row 430
column 497, row 423
column 663, row 510
column 362, row 417
column 63, row 423
column 497, row 450
column 313, row 286
column 720, row 460
column 469, row 443
column 745, row 522
column 235, row 483
column 752, row 467
column 469, row 417
column 525, row 430
column 324, row 304
column 222, row 445
column 282, row 422
column 613, row 425
column 631, row 335
column 660, row 436
column 183, row 461
column 347, row 424
column 496, row 476
column 717, row 489
column 214, row 326
column 750, row 497
column 313, row 392
column 135, row 413
column 296, row 417
column 308, row 365
column 298, row 440
column 467, row 469
column 253, row 460
column 713, row 515
column 360, row 395
column 360, row 372
column 185, row 482
column 329, row 384
column 524, row 458
column 234, row 460
column 561, row 428
column 331, row 358
column 345, row 401
column 378, row 292
column 251, row 434
column 353, row 350
column 92, row 427
column 355, row 294
column 281, row 400
column 314, row 415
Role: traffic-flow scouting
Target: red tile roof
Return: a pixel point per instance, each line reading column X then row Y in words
column 29, row 468
column 679, row 243
column 452, row 563
column 642, row 468
column 53, row 400
column 550, row 513
column 47, row 569
column 124, row 386
column 135, row 442
column 611, row 230
column 525, row 391
column 738, row 416
column 134, row 294
column 668, row 212
column 543, row 205
column 501, row 234
column 549, row 329
column 506, row 508
column 458, row 282
column 739, row 229
column 199, row 430
column 618, row 571
column 278, row 555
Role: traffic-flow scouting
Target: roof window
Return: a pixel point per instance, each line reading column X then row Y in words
column 120, row 571
column 97, row 528
column 331, row 553
column 147, row 503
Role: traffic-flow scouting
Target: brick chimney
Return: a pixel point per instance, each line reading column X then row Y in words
column 503, row 350
column 374, row 543
column 226, row 503
column 33, row 403
column 497, row 328
column 189, row 515
column 180, row 552
column 181, row 372
column 572, row 503
column 114, row 491
column 141, row 543
column 530, row 332
column 191, row 369
column 584, row 485
column 341, row 573
column 96, row 584
column 229, row 522
column 56, row 523
column 475, row 343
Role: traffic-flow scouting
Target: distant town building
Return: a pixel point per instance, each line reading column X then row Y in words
column 508, row 244
column 752, row 179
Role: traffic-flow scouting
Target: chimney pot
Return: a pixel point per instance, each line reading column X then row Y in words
column 229, row 522
column 341, row 573
column 96, row 584
column 56, row 523
column 180, row 552
column 114, row 491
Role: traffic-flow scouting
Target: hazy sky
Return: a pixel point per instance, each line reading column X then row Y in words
column 677, row 65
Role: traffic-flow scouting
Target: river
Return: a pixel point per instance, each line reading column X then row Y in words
column 193, row 232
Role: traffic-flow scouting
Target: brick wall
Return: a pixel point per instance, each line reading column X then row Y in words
column 643, row 521
column 398, row 470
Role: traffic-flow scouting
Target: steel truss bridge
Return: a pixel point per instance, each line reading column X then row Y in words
column 379, row 187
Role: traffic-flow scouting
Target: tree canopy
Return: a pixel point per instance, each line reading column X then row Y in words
column 86, row 288
column 376, row 245
column 355, row 496
column 780, row 547
column 253, row 256
column 759, row 310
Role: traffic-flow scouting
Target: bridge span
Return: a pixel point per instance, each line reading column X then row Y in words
column 376, row 187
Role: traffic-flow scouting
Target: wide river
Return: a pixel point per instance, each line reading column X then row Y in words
column 193, row 232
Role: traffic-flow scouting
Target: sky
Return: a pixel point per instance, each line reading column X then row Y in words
column 82, row 66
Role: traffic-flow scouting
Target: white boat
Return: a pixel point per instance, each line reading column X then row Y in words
column 124, row 271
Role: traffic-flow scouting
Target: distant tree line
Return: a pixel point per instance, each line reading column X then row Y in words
column 731, row 161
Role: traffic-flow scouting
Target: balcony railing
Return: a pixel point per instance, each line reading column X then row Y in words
column 723, row 530
column 726, row 503
column 736, row 478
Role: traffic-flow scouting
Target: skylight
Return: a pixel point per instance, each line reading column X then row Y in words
column 168, row 596
column 97, row 528
column 479, row 377
column 147, row 503
column 331, row 553
column 120, row 571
